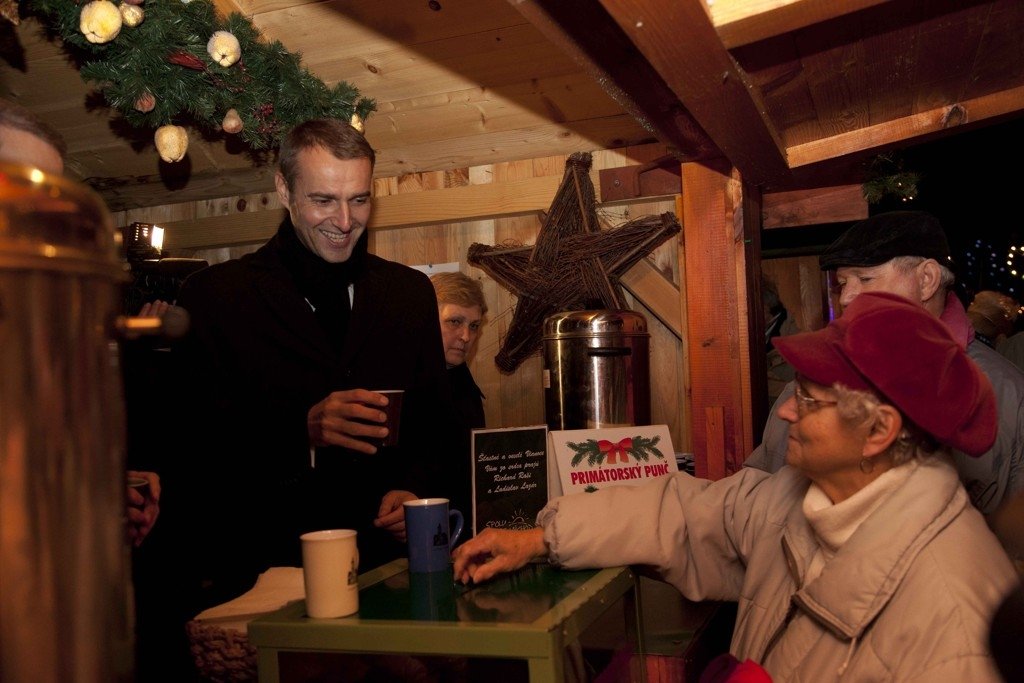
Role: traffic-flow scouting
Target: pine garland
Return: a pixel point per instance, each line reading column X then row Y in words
column 165, row 57
column 640, row 448
column 888, row 179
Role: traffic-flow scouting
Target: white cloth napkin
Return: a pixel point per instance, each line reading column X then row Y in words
column 274, row 589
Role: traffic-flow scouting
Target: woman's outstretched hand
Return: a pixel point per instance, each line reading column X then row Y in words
column 495, row 551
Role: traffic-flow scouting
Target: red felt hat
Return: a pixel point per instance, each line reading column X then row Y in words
column 888, row 345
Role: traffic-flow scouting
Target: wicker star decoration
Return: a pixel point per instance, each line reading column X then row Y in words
column 574, row 265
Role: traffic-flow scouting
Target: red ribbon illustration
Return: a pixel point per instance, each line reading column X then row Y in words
column 610, row 449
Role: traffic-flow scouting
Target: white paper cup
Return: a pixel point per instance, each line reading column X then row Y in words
column 330, row 563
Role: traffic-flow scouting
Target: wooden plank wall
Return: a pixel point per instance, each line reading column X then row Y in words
column 798, row 279
column 514, row 399
column 801, row 286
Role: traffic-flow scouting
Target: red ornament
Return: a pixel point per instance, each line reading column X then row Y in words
column 145, row 103
column 189, row 61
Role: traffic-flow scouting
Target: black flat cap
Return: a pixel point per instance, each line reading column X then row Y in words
column 885, row 236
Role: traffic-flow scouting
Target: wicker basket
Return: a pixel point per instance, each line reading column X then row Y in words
column 222, row 655
column 217, row 636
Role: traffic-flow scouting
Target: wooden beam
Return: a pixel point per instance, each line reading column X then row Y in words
column 222, row 231
column 753, row 361
column 592, row 38
column 813, row 207
column 716, row 320
column 741, row 22
column 909, row 129
column 679, row 40
column 413, row 209
column 714, row 430
column 451, row 205
column 226, row 7
column 133, row 192
column 686, row 382
column 657, row 293
column 465, row 203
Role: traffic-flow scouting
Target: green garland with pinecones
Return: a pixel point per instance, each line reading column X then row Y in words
column 166, row 64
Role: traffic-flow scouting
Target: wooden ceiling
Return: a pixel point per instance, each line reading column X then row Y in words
column 795, row 93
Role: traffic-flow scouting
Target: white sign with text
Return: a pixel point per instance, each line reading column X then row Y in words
column 583, row 460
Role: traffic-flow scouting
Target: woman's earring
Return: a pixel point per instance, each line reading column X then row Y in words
column 867, row 465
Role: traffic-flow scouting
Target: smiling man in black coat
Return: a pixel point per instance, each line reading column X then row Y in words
column 287, row 349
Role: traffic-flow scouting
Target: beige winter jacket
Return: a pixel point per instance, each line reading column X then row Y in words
column 907, row 598
column 991, row 479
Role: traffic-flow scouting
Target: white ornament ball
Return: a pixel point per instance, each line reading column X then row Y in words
column 132, row 15
column 171, row 143
column 224, row 48
column 100, row 21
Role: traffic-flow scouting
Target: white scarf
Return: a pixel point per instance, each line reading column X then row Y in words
column 834, row 523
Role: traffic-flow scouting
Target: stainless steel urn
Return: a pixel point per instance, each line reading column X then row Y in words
column 64, row 561
column 596, row 369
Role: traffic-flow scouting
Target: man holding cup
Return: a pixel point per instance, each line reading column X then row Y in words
column 285, row 366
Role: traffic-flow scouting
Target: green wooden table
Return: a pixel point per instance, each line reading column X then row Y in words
column 533, row 614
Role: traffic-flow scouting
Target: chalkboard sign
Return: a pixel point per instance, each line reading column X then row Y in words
column 510, row 476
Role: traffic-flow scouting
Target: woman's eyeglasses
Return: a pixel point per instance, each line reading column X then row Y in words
column 805, row 403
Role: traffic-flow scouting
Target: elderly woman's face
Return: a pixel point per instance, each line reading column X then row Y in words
column 821, row 444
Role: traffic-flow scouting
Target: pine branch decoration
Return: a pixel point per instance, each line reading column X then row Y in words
column 643, row 448
column 599, row 451
column 159, row 73
column 888, row 179
column 586, row 449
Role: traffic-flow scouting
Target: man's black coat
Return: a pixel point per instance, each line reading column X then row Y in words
column 252, row 365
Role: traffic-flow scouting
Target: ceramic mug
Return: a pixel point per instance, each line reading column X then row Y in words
column 330, row 560
column 431, row 530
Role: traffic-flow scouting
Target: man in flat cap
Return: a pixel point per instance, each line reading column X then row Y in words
column 906, row 253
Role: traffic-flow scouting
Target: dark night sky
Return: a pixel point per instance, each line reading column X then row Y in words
column 974, row 183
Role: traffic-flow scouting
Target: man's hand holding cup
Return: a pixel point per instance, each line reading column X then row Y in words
column 143, row 499
column 358, row 419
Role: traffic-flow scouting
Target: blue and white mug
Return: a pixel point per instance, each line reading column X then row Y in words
column 431, row 530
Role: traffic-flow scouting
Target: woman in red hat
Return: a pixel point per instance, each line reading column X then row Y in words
column 862, row 559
